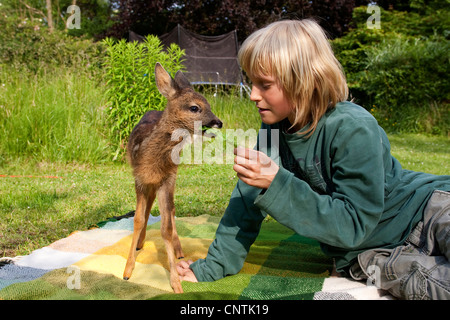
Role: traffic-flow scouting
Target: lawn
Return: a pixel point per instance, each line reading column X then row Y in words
column 55, row 126
column 38, row 210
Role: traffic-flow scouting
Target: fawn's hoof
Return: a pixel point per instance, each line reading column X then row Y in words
column 125, row 278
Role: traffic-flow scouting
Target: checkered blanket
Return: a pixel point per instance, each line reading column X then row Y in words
column 89, row 265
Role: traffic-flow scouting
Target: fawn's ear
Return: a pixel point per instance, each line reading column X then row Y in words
column 166, row 85
column 181, row 80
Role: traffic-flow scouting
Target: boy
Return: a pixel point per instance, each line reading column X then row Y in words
column 330, row 175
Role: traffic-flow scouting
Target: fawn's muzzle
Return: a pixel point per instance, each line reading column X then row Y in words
column 216, row 123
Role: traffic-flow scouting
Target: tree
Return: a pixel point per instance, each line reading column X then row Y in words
column 95, row 14
column 213, row 17
column 49, row 15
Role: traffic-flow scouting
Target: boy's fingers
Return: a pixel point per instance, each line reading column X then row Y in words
column 185, row 273
column 245, row 156
column 246, row 153
column 183, row 265
column 189, row 262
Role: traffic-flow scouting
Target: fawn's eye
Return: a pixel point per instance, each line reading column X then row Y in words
column 194, row 109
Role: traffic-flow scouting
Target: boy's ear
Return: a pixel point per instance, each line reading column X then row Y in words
column 164, row 82
column 181, row 80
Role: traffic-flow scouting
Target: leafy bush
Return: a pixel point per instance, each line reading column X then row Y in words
column 400, row 72
column 129, row 74
column 27, row 45
column 409, row 83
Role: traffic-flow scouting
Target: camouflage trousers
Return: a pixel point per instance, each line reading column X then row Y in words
column 420, row 268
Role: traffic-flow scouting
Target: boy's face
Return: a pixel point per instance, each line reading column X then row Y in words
column 270, row 100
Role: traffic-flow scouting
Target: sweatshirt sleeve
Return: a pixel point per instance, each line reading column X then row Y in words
column 236, row 232
column 347, row 216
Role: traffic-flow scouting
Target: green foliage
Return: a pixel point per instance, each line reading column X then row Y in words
column 129, row 74
column 28, row 45
column 95, row 15
column 429, row 6
column 400, row 71
column 409, row 83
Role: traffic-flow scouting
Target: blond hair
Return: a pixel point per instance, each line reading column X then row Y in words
column 297, row 53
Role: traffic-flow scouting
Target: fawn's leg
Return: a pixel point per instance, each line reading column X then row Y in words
column 151, row 195
column 175, row 240
column 140, row 217
column 167, row 208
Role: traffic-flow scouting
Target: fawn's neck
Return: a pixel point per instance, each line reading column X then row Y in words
column 165, row 142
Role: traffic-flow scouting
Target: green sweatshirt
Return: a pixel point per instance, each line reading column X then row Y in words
column 341, row 187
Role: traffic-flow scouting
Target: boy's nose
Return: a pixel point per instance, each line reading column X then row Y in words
column 255, row 95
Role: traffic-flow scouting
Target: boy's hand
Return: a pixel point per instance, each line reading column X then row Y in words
column 254, row 167
column 186, row 273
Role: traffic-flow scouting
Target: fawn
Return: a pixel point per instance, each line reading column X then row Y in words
column 149, row 152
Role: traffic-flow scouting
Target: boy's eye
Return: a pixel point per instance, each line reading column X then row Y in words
column 265, row 86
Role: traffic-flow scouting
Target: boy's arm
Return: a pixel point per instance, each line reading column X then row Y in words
column 235, row 234
column 348, row 216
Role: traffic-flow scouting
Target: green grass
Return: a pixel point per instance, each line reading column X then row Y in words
column 37, row 211
column 235, row 113
column 54, row 126
column 52, row 117
column 422, row 153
